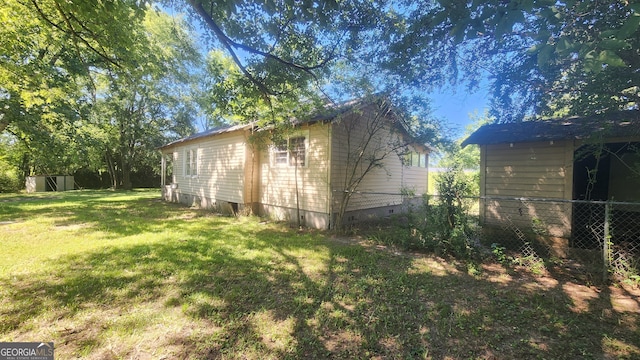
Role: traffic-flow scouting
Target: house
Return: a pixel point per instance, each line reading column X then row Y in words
column 305, row 176
column 556, row 164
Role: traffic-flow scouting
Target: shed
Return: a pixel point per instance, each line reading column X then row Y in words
column 42, row 183
column 555, row 164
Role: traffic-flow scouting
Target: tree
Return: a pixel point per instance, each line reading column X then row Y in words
column 542, row 56
column 47, row 44
column 139, row 105
column 370, row 134
column 227, row 96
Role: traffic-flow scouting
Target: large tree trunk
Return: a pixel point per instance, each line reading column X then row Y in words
column 111, row 167
column 126, row 175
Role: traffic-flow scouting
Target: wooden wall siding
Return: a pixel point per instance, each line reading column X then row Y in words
column 542, row 170
column 415, row 178
column 385, row 180
column 547, row 218
column 221, row 162
column 526, row 170
column 277, row 183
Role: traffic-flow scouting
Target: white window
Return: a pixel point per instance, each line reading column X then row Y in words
column 291, row 152
column 423, row 160
column 280, row 153
column 191, row 162
column 297, row 151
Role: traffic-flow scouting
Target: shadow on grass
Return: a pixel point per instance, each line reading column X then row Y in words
column 244, row 289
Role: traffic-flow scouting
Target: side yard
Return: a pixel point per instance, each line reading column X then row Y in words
column 107, row 274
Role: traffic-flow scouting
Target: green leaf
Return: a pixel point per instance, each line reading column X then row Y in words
column 614, row 44
column 545, row 56
column 563, row 44
column 629, row 27
column 611, row 58
column 592, row 66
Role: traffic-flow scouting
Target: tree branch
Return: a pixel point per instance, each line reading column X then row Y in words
column 232, row 45
column 71, row 31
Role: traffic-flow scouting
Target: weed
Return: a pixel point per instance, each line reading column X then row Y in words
column 499, row 253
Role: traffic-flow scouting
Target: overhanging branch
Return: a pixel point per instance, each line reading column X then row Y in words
column 231, row 46
column 71, row 31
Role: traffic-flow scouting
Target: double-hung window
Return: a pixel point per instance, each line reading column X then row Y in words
column 291, row 152
column 297, row 151
column 191, row 162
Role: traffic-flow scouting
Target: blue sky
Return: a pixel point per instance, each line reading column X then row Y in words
column 452, row 105
column 455, row 105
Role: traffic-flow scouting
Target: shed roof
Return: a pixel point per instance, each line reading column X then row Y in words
column 611, row 125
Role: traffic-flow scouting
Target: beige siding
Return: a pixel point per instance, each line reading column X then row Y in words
column 545, row 218
column 526, row 170
column 221, row 163
column 278, row 182
column 381, row 185
column 541, row 170
column 415, row 179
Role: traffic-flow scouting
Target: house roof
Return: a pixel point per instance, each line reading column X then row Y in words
column 611, row 125
column 329, row 113
column 209, row 132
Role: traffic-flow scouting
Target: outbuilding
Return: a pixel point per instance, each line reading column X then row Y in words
column 42, row 183
column 544, row 175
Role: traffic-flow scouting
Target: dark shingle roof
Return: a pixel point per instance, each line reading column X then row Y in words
column 618, row 124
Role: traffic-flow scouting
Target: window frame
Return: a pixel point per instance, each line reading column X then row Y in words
column 191, row 162
column 285, row 156
column 415, row 158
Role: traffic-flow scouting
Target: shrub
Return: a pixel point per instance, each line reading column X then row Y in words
column 9, row 181
column 441, row 223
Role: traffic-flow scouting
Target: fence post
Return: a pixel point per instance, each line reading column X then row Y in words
column 606, row 248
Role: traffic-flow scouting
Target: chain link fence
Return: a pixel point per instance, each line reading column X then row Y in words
column 601, row 238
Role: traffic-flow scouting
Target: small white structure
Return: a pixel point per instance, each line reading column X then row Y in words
column 42, row 183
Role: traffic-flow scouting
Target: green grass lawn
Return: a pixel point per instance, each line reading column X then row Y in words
column 107, row 275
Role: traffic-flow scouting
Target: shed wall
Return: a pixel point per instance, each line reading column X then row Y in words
column 57, row 183
column 542, row 170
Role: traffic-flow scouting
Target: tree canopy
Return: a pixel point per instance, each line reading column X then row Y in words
column 70, row 69
column 96, row 87
column 542, row 56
